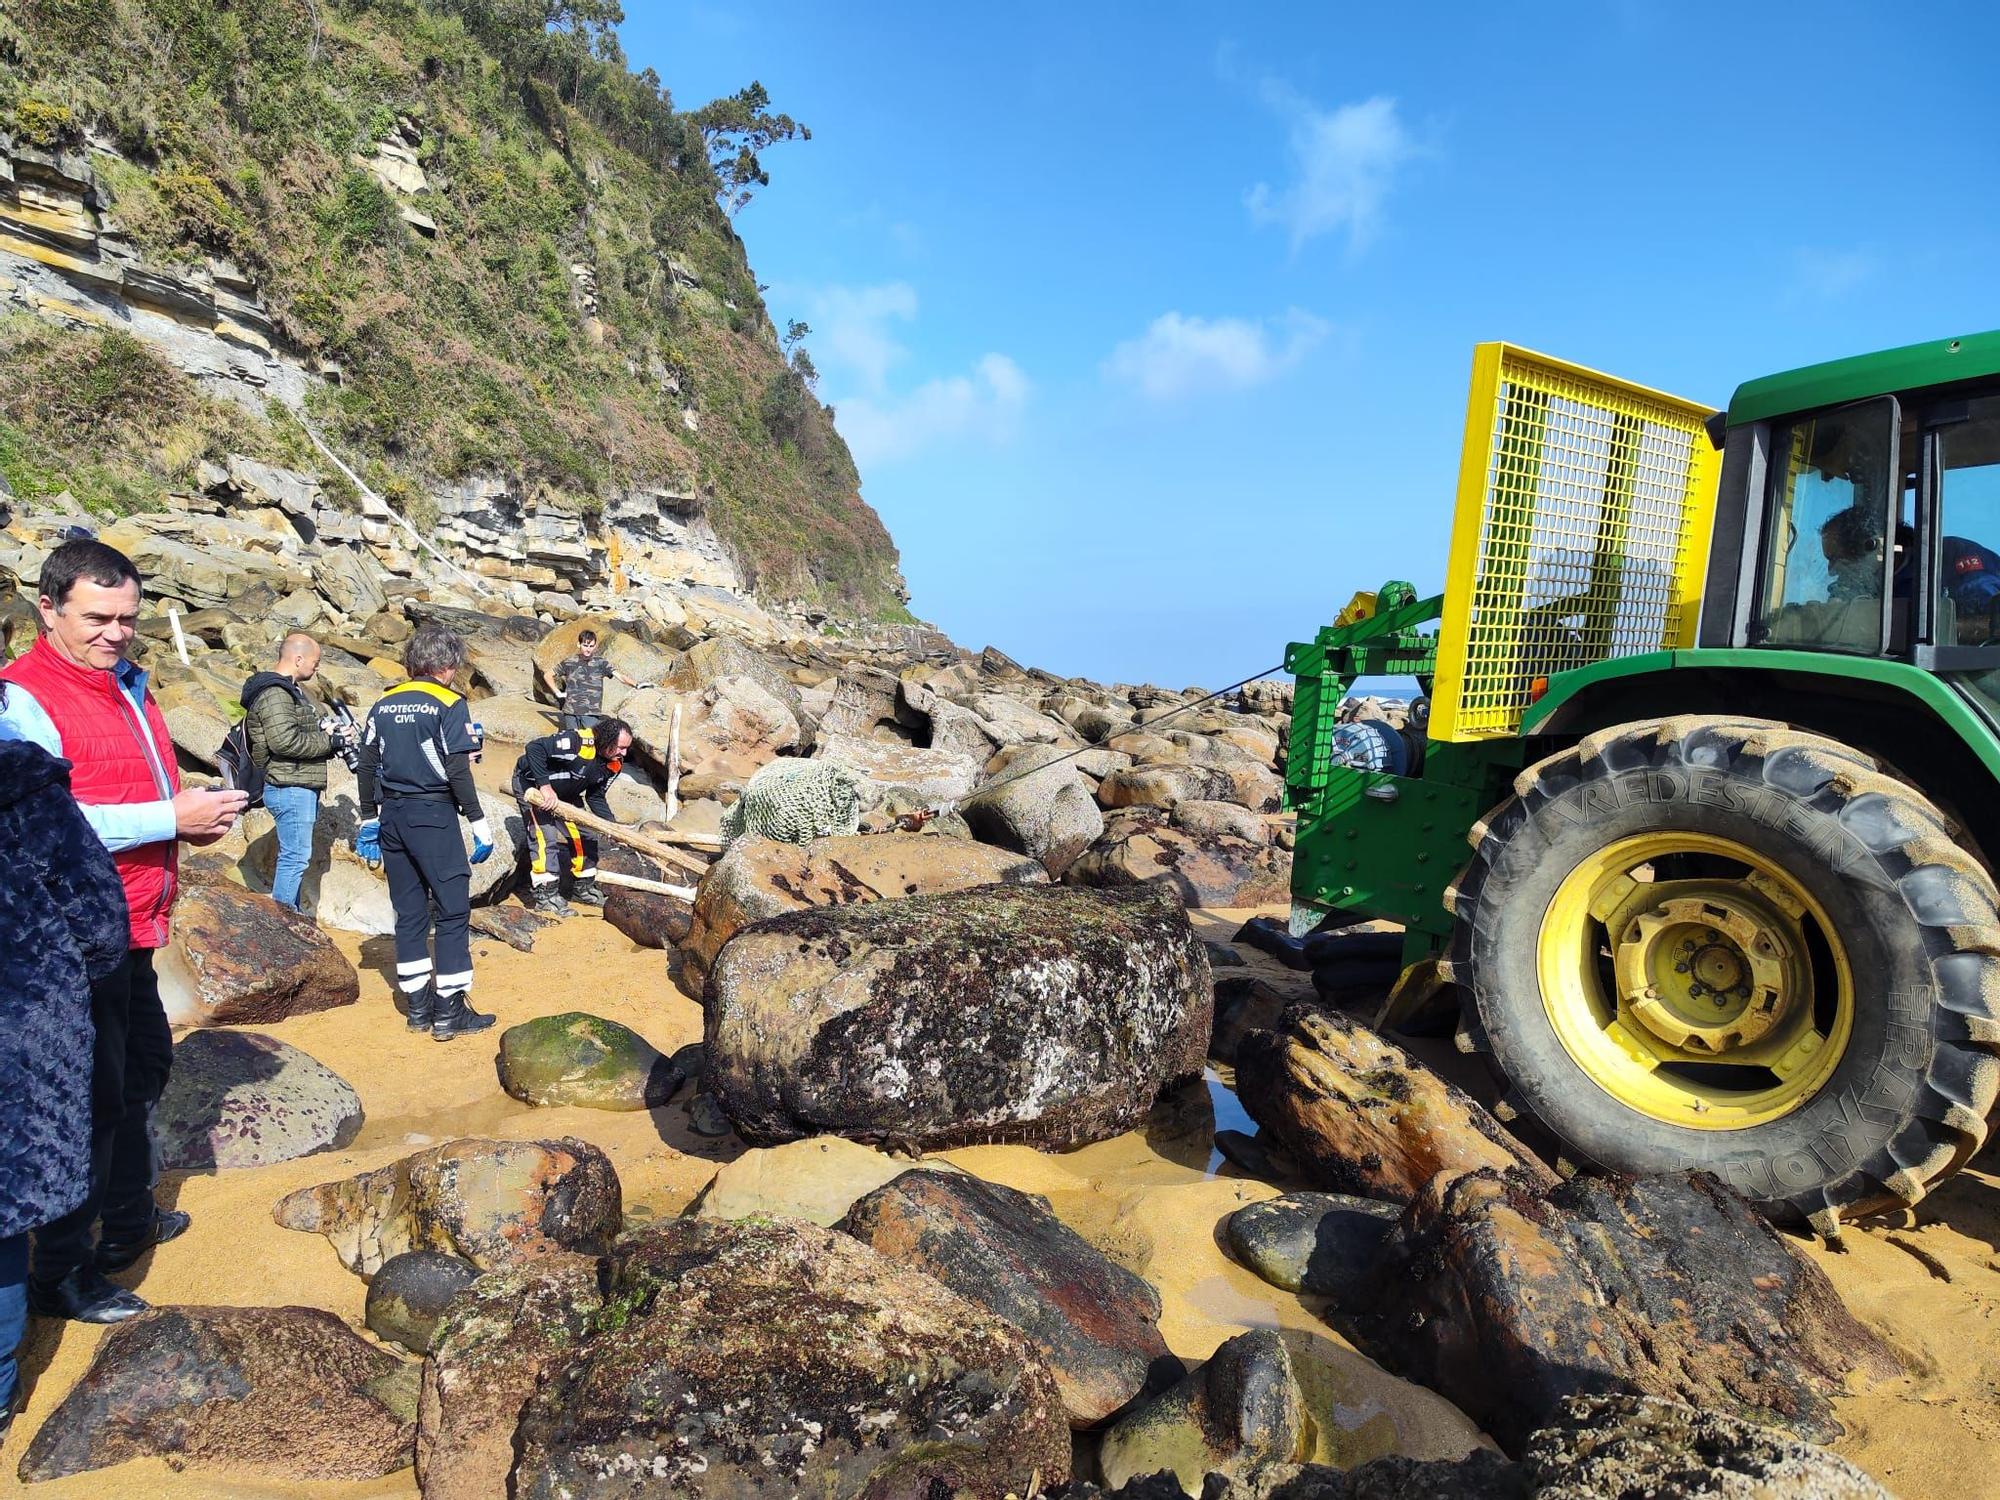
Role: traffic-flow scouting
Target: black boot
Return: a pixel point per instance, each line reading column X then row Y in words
column 117, row 1255
column 547, row 900
column 84, row 1296
column 423, row 1006
column 586, row 892
column 455, row 1018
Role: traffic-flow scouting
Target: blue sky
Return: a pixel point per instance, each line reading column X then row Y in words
column 1150, row 326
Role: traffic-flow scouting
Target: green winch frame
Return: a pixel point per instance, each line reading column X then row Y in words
column 1370, row 843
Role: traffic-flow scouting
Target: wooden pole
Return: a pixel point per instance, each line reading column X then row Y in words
column 674, row 766
column 689, row 840
column 640, row 883
column 630, row 837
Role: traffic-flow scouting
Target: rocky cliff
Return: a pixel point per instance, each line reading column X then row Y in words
column 460, row 243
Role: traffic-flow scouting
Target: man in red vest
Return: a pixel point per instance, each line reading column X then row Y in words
column 74, row 694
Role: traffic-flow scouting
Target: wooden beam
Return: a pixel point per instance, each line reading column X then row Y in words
column 674, row 766
column 631, row 838
column 689, row 840
column 640, row 883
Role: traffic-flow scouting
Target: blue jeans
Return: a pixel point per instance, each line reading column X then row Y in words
column 296, row 809
column 13, row 1309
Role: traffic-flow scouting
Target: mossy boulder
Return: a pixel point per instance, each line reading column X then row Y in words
column 491, row 1348
column 492, row 1202
column 1094, row 1321
column 761, row 878
column 1037, row 1014
column 575, row 1058
column 410, row 1293
column 1139, row 846
column 1239, row 1412
column 241, row 1099
column 784, row 1359
column 288, row 1393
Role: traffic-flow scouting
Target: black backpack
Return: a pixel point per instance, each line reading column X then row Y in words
column 240, row 773
column 232, row 759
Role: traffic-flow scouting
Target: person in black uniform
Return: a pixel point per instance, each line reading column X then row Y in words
column 416, row 767
column 573, row 766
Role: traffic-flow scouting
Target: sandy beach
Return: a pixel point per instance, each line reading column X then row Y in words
column 1150, row 1199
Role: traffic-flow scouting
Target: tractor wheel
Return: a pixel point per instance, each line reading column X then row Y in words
column 1724, row 944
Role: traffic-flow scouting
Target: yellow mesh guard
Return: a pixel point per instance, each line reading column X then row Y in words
column 1582, row 530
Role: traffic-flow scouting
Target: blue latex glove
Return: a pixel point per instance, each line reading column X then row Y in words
column 368, row 841
column 482, row 841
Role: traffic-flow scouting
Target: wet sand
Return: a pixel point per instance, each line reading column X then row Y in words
column 1149, row 1199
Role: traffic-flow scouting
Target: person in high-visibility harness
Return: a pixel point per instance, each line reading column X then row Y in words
column 574, row 766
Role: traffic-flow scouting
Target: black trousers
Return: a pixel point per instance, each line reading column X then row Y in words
column 424, row 858
column 134, row 1053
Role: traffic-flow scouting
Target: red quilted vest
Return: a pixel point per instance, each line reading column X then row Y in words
column 101, row 732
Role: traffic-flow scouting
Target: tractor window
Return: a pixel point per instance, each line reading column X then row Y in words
column 1969, row 500
column 1826, row 540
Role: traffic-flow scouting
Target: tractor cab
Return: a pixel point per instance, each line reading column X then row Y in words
column 1859, row 513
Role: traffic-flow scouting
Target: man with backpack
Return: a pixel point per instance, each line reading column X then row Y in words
column 291, row 740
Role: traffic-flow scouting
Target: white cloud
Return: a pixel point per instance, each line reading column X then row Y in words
column 851, row 332
column 1827, row 274
column 983, row 406
column 1346, row 160
column 855, row 343
column 1179, row 355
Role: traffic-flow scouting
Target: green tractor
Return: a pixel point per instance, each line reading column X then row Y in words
column 1715, row 700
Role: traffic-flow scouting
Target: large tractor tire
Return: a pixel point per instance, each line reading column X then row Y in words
column 1725, row 944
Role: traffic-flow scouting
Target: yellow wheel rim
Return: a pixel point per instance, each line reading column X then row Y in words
column 1695, row 981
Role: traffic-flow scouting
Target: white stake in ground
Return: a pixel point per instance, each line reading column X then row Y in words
column 674, row 766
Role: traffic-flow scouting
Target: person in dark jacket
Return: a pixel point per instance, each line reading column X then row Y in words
column 416, row 768
column 573, row 766
column 290, row 742
column 62, row 908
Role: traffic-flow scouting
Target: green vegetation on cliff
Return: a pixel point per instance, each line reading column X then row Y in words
column 583, row 319
column 103, row 417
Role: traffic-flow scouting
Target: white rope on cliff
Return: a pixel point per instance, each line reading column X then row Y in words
column 472, row 580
